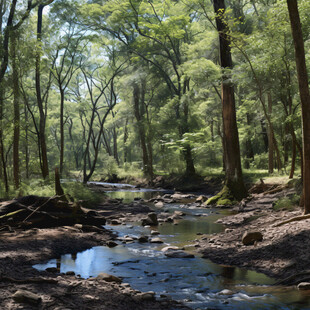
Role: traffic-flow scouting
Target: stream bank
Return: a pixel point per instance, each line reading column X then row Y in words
column 69, row 291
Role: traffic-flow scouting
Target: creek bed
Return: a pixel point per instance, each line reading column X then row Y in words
column 196, row 281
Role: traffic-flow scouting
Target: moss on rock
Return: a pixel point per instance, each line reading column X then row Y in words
column 224, row 197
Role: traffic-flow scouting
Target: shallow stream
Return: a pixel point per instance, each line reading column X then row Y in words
column 196, row 281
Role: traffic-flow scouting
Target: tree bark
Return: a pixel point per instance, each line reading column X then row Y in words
column 62, row 133
column 304, row 97
column 16, row 102
column 270, row 138
column 2, row 151
column 137, row 98
column 233, row 171
column 42, row 121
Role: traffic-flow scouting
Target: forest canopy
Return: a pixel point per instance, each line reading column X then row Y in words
column 136, row 87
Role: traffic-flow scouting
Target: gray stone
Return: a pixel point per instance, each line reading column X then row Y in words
column 108, row 278
column 303, row 286
column 226, row 292
column 249, row 238
column 201, row 198
column 112, row 244
column 147, row 296
column 115, row 222
column 159, row 204
column 150, row 220
column 155, row 232
column 179, row 213
column 156, row 240
column 143, row 239
column 26, row 297
column 178, row 254
column 167, row 248
column 52, row 269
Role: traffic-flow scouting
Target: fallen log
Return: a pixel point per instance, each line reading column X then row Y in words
column 293, row 219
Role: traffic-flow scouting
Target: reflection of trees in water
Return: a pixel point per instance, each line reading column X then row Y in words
column 58, row 263
column 228, row 272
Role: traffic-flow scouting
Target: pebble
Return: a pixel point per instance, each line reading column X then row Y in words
column 23, row 296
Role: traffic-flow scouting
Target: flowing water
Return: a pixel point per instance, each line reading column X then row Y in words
column 196, row 281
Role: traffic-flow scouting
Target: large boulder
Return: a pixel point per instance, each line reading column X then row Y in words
column 250, row 237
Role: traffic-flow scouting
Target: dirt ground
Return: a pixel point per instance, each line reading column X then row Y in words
column 284, row 250
column 20, row 250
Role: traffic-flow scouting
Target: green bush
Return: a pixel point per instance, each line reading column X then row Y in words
column 287, row 203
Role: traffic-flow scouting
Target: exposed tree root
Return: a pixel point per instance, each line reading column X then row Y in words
column 294, row 219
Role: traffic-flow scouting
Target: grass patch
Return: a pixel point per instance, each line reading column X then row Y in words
column 46, row 188
column 286, row 203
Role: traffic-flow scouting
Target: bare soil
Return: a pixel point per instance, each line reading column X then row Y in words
column 20, row 249
column 284, row 251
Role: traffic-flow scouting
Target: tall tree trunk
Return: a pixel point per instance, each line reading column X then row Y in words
column 249, row 153
column 187, row 153
column 126, row 134
column 42, row 140
column 115, row 151
column 270, row 138
column 62, row 133
column 26, row 142
column 233, row 171
column 304, row 97
column 137, row 97
column 2, row 152
column 16, row 102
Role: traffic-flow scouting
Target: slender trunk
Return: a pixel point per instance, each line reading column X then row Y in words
column 304, row 97
column 42, row 140
column 2, row 152
column 293, row 158
column 26, row 142
column 125, row 141
column 58, row 189
column 62, row 135
column 106, row 144
column 233, row 171
column 136, row 102
column 264, row 135
column 270, row 139
column 16, row 103
column 115, row 152
column 187, row 153
column 220, row 133
column 249, row 153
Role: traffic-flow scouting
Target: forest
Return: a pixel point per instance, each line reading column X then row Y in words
column 208, row 99
column 120, row 87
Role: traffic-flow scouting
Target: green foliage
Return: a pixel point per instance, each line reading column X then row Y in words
column 169, row 49
column 287, row 203
column 260, row 161
column 80, row 192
